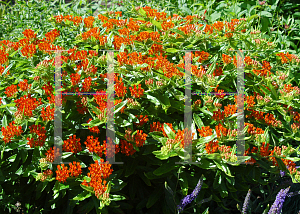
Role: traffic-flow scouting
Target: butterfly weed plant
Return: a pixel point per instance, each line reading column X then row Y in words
column 149, row 72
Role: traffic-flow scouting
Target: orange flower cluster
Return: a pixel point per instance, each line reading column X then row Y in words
column 187, row 29
column 275, row 152
column 24, row 85
column 258, row 115
column 209, row 28
column 218, row 115
column 203, row 56
column 142, row 120
column 120, row 88
column 253, row 130
column 93, row 145
column 229, row 110
column 29, row 50
column 27, row 105
column 250, row 101
column 52, row 35
column 40, row 133
column 286, row 57
column 221, row 129
column 253, row 150
column 75, row 169
column 140, row 138
column 218, row 25
column 88, row 22
column 46, row 174
column 157, row 127
column 62, row 172
column 98, row 173
column 3, row 57
column 126, row 148
column 94, row 129
column 218, row 71
column 50, row 157
column 182, row 138
column 29, row 34
column 197, row 103
column 220, row 92
column 137, row 93
column 109, row 147
column 205, row 131
column 48, row 114
column 11, row 90
column 11, row 131
column 211, row 147
column 76, row 20
column 72, row 145
column 264, row 150
column 75, row 78
column 266, row 68
column 156, row 48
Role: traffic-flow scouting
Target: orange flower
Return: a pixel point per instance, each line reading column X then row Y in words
column 126, row 148
column 29, row 50
column 221, row 129
column 88, row 22
column 50, row 157
column 94, row 129
column 98, row 172
column 264, row 150
column 11, row 90
column 275, row 152
column 93, row 145
column 142, row 120
column 47, row 114
column 212, row 147
column 75, row 169
column 11, row 131
column 29, row 34
column 252, row 160
column 205, row 131
column 24, row 85
column 75, row 78
column 72, row 145
column 62, row 173
column 40, row 133
column 226, row 59
column 167, row 25
column 218, row 115
column 137, row 93
column 52, row 35
column 218, row 25
column 140, row 138
column 250, row 101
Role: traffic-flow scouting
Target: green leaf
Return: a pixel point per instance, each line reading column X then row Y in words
column 265, row 24
column 172, row 50
column 89, row 189
column 82, row 196
column 165, row 168
column 116, row 197
column 153, row 198
column 157, row 24
column 217, row 180
column 142, row 12
column 222, row 166
column 130, row 168
column 4, row 121
column 119, row 106
column 169, row 131
column 198, row 121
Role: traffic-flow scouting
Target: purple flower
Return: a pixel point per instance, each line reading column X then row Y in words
column 246, row 202
column 282, row 173
column 189, row 198
column 278, row 203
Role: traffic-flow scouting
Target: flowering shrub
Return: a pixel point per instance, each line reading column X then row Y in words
column 150, row 134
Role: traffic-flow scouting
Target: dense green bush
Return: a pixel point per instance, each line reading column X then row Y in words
column 150, row 181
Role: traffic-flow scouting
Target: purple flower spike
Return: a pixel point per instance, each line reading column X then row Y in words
column 246, row 202
column 189, row 198
column 278, row 203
